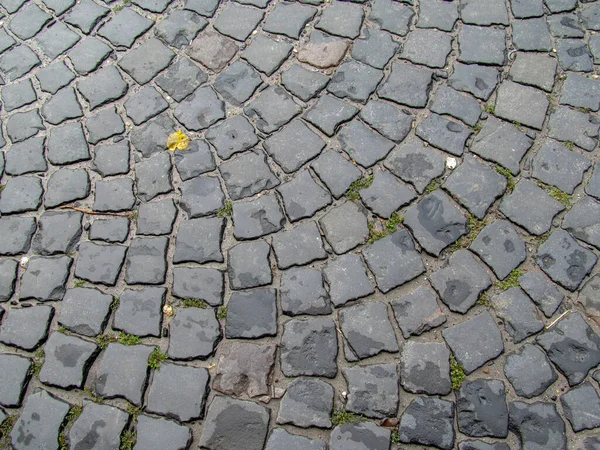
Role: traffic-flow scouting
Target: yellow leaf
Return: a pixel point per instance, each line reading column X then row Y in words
column 177, row 141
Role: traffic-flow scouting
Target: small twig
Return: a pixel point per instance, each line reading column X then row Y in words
column 557, row 319
column 89, row 211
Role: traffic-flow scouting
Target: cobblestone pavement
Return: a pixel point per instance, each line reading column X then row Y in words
column 383, row 232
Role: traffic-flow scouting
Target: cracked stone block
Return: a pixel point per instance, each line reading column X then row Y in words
column 336, row 172
column 556, row 165
column 201, row 196
column 181, row 79
column 293, row 146
column 581, row 92
column 272, row 109
column 362, row 144
column 445, row 134
column 478, row 80
column 537, row 425
column 199, row 240
column 531, row 35
column 54, row 77
column 299, row 246
column 481, row 408
column 303, row 197
column 307, row 403
column 391, row 16
column 391, row 122
column 341, row 19
column 85, row 311
column 114, row 195
column 500, row 247
column 156, row 218
column 237, row 21
column 17, row 233
column 99, row 263
column 407, row 85
column 93, row 415
column 428, row 421
column 198, row 282
column 534, row 69
column 8, row 277
column 309, row 347
column 251, row 314
column 572, row 346
column 475, row 341
column 162, row 433
column 573, row 54
column 17, row 95
column 529, row 371
column 245, row 368
column 247, row 175
column 302, row 291
column 56, row 39
column 425, row 368
column 103, row 125
column 26, row 328
column 40, row 422
column 178, row 392
column 355, row 81
column 58, row 232
column 28, row 21
column 67, row 144
column 530, row 207
column 456, row 104
column 372, row 390
column 289, row 19
column 582, row 221
column 386, row 194
column 137, row 65
column 543, row 293
column 280, row 438
column 303, row 83
column 569, row 125
column 18, row 61
column 200, row 110
column 14, row 374
column 153, row 176
column 460, row 283
column 417, row 311
column 194, row 333
column 237, row 83
column 520, row 316
column 322, row 50
column 139, row 311
column 88, row 55
column 212, row 50
column 180, row 28
column 481, row 45
column 257, row 217
column 111, row 159
column 328, row 113
column 345, row 227
column 231, row 136
column 123, row 372
column 45, row 278
column 428, row 47
column 86, row 15
column 437, row 14
column 581, row 406
column 248, row 265
column 522, row 104
column 125, row 27
column 195, row 160
column 564, row 260
column 394, row 260
column 232, row 423
column 367, row 330
column 102, row 87
column 347, row 279
column 267, row 54
column 144, row 105
column 21, row 194
column 67, row 360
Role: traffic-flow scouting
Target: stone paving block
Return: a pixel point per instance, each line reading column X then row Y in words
column 473, row 353
column 21, row 126
column 203, row 283
column 280, row 438
column 103, row 86
column 248, row 174
column 427, row 47
column 531, row 35
column 569, row 125
column 342, row 19
column 125, row 27
column 111, row 159
column 88, row 55
column 309, row 347
column 114, row 195
column 417, row 311
column 425, row 368
column 232, row 423
column 178, row 392
column 480, row 12
column 195, row 160
column 115, row 229
column 472, row 40
column 28, row 21
column 180, row 28
column 581, row 92
column 14, row 373
column 347, row 279
column 40, row 422
column 181, row 78
column 303, row 197
column 56, row 39
column 199, row 240
column 458, row 105
column 445, row 134
column 391, row 16
column 6, row 41
column 21, row 194
column 45, row 278
column 582, row 221
column 322, row 50
column 103, row 125
column 200, row 109
column 245, row 368
column 58, row 232
column 272, row 109
column 194, row 333
column 581, row 406
column 123, row 372
column 556, row 6
column 520, row 316
column 248, row 265
column 17, row 232
column 537, row 424
column 18, row 61
column 257, row 217
column 534, row 69
column 336, row 172
column 573, row 54
column 355, row 81
column 54, row 76
column 12, row 5
column 99, row 263
column 17, row 95
column 372, row 390
column 407, row 85
column 136, row 64
column 8, row 277
column 144, row 105
column 237, row 21
column 564, row 260
column 481, row 408
column 85, row 311
column 521, row 104
column 156, row 6
column 237, row 83
column 302, row 291
column 530, row 207
column 251, row 314
column 556, row 165
column 345, row 227
column 328, row 113
column 267, row 54
column 565, row 25
column 475, row 79
column 151, row 137
column 231, row 136
column 91, row 417
column 435, row 418
column 156, row 218
column 162, row 433
column 589, row 17
column 362, row 144
column 67, row 144
column 594, row 44
column 201, row 196
column 139, row 311
column 299, row 246
column 62, row 106
column 360, row 436
column 386, row 194
column 391, row 122
column 307, row 402
column 302, row 82
column 86, row 15
column 529, row 371
column 67, row 360
column 437, row 14
column 293, row 146
column 289, row 19
column 212, row 50
column 543, row 293
column 572, row 346
column 153, row 176
column 472, row 444
column 374, row 47
column 26, row 328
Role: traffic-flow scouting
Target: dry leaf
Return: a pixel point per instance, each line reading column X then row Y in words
column 177, row 141
column 389, row 422
column 168, row 310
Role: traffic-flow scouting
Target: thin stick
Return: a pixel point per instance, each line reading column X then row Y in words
column 89, row 211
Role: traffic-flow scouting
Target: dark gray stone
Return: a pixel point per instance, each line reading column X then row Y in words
column 347, row 279
column 355, row 81
column 257, row 217
column 162, row 433
column 336, row 172
column 462, row 106
column 251, row 314
column 62, row 106
column 565, row 25
column 407, row 84
column 267, row 54
column 153, row 176
column 21, row 126
column 88, row 55
column 181, row 79
column 201, row 196
column 303, row 83
column 6, row 40
column 306, row 403
column 582, row 221
column 114, row 195
column 152, row 136
column 342, row 19
column 391, row 16
column 54, row 76
column 473, row 352
column 198, row 282
column 534, row 69
column 428, row 421
column 556, row 165
column 193, row 333
column 481, row 45
column 328, row 113
column 85, row 311
column 589, row 17
column 111, row 159
column 425, row 368
column 86, row 15
column 541, row 291
column 391, row 122
column 360, row 436
column 212, row 49
column 293, row 146
column 200, row 110
column 481, row 408
column 572, row 346
column 103, row 125
column 102, row 87
column 481, row 12
column 372, row 390
column 437, row 14
column 140, row 312
column 429, row 47
column 58, row 232
column 556, row 6
column 26, row 328
column 529, row 371
column 299, row 246
column 99, row 263
column 26, row 157
column 520, row 316
column 17, row 95
column 237, row 83
column 195, row 160
column 237, row 21
column 573, row 54
column 247, row 175
column 309, row 347
column 303, row 197
column 537, row 425
column 21, row 194
column 67, row 144
column 232, row 423
column 417, row 311
column 445, row 134
column 137, row 65
column 199, row 240
column 56, row 39
column 28, row 21
column 248, row 265
column 178, row 392
column 125, row 27
column 145, row 104
column 156, row 6
column 45, row 278
column 179, row 28
column 14, row 373
column 272, row 109
column 156, row 218
column 345, row 227
column 18, row 61
column 581, row 406
column 581, row 92
column 569, row 125
column 8, row 277
column 531, row 35
column 522, row 104
column 302, row 291
column 362, row 144
column 231, row 136
column 386, row 194
column 588, row 296
column 475, row 79
column 289, row 19
column 374, row 48
column 92, row 417
column 280, row 438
